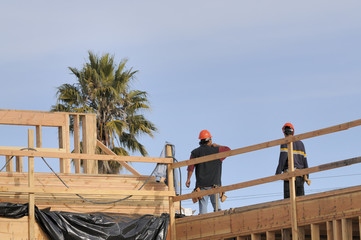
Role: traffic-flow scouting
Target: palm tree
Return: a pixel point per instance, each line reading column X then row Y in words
column 104, row 88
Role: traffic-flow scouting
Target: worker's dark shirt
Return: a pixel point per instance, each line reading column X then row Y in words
column 208, row 173
column 299, row 157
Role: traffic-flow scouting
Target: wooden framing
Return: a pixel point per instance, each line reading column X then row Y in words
column 305, row 217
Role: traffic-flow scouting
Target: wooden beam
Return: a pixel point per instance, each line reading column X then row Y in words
column 77, row 165
column 273, row 216
column 90, row 166
column 329, row 228
column 359, row 225
column 31, row 185
column 315, row 232
column 124, row 164
column 60, row 150
column 270, row 235
column 286, row 234
column 297, row 172
column 61, row 137
column 52, row 154
column 169, row 154
column 292, row 190
column 67, row 165
column 19, row 164
column 31, row 118
column 84, row 191
column 255, row 236
column 273, row 143
column 346, row 228
column 337, row 230
column 10, row 165
column 39, row 142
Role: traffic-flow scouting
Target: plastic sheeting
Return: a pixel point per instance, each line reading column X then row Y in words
column 69, row 226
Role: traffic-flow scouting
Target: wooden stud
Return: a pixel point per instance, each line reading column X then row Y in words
column 301, row 233
column 67, row 165
column 76, row 142
column 315, row 232
column 169, row 154
column 38, row 136
column 346, row 228
column 89, row 143
column 337, row 232
column 329, row 228
column 255, row 236
column 359, row 226
column 293, row 212
column 286, row 234
column 10, row 165
column 61, row 134
column 270, row 235
column 19, row 164
column 31, row 185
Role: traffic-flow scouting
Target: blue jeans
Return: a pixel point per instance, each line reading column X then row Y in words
column 203, row 203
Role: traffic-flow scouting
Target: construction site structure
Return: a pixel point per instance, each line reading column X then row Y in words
column 332, row 215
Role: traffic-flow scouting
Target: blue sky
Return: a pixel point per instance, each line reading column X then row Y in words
column 240, row 69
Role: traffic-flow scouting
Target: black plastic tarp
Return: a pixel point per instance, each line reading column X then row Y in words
column 69, row 226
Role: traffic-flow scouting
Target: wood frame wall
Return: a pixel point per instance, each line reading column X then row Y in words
column 61, row 120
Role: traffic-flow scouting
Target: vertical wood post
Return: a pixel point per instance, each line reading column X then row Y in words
column 286, row 234
column 31, row 217
column 61, row 133
column 76, row 142
column 346, row 228
column 270, row 235
column 293, row 209
column 337, row 231
column 89, row 142
column 315, row 232
column 359, row 226
column 67, row 165
column 329, row 226
column 38, row 136
column 255, row 236
column 301, row 233
column 169, row 154
column 19, row 164
column 10, row 165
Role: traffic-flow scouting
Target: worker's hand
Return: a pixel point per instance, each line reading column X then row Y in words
column 188, row 183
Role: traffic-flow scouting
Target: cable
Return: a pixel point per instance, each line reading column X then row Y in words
column 7, row 162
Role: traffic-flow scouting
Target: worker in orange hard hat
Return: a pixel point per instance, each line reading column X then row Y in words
column 299, row 158
column 208, row 174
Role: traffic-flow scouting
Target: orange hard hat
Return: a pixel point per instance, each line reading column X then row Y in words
column 288, row 125
column 204, row 134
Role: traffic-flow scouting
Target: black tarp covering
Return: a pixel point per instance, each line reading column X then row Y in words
column 69, row 226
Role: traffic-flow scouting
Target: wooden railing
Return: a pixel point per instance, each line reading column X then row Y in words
column 285, row 176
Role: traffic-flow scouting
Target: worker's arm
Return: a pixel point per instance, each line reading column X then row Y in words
column 190, row 172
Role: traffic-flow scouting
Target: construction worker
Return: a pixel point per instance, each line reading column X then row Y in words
column 299, row 158
column 208, row 174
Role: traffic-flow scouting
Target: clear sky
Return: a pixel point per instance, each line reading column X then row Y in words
column 240, row 69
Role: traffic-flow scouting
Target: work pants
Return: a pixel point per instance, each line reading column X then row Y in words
column 299, row 184
column 203, row 203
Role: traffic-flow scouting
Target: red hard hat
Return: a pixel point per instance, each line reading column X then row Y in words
column 204, row 134
column 288, row 125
